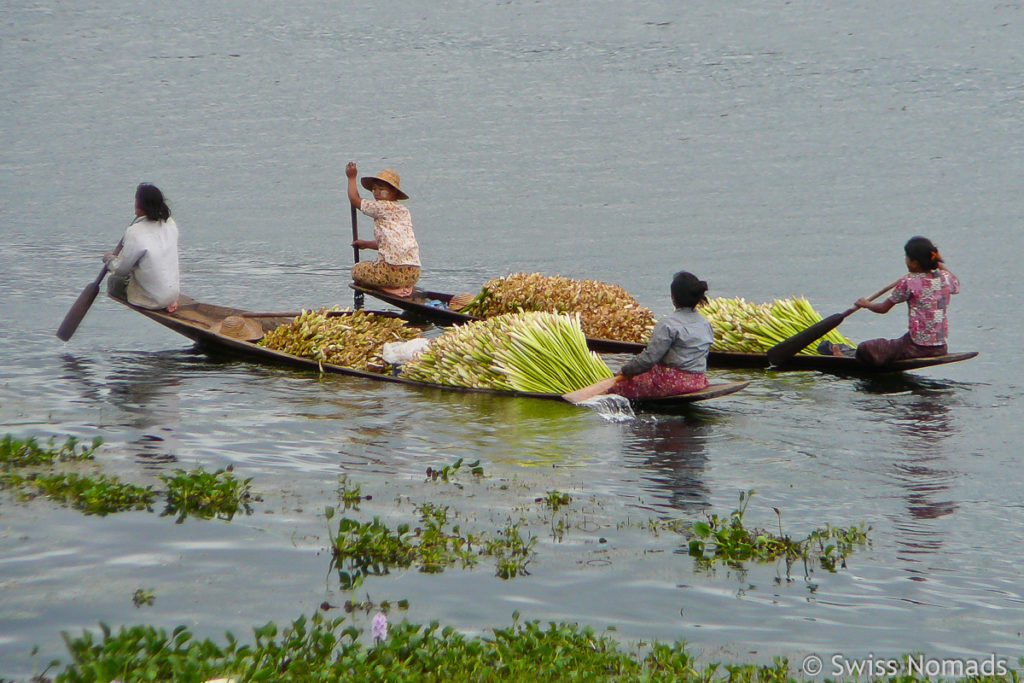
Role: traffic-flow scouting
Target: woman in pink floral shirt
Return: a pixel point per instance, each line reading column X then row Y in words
column 397, row 267
column 927, row 289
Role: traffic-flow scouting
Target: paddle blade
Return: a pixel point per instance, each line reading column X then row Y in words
column 78, row 311
column 595, row 389
column 787, row 348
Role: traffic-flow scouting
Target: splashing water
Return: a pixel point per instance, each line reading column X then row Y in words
column 611, row 407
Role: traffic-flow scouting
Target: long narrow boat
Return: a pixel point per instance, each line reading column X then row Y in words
column 433, row 307
column 203, row 323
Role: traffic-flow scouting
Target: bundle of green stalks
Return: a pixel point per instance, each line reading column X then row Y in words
column 531, row 352
column 606, row 311
column 353, row 339
column 746, row 327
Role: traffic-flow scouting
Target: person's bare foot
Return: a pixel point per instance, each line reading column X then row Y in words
column 172, row 308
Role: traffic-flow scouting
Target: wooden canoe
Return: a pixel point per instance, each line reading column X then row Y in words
column 202, row 323
column 429, row 306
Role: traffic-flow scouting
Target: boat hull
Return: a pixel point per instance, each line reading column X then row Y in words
column 200, row 322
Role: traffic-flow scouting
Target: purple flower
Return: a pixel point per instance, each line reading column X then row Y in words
column 379, row 626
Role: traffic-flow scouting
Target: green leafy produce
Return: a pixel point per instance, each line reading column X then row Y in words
column 754, row 328
column 352, row 339
column 531, row 352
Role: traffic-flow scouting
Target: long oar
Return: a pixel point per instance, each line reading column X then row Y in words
column 82, row 304
column 596, row 389
column 787, row 348
column 357, row 299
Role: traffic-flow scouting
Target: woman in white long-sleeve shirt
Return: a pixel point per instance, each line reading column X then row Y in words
column 145, row 270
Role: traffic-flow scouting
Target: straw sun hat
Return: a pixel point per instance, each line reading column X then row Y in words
column 238, row 327
column 388, row 177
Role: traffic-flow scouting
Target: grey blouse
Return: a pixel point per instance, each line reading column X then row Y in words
column 680, row 340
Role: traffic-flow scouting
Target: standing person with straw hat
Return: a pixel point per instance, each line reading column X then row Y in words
column 397, row 267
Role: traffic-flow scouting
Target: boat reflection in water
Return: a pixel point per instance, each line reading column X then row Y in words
column 921, row 425
column 142, row 393
column 672, row 454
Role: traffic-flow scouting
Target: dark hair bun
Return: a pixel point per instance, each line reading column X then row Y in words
column 687, row 290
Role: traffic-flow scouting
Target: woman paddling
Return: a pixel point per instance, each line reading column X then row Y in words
column 145, row 270
column 676, row 356
column 397, row 267
column 927, row 289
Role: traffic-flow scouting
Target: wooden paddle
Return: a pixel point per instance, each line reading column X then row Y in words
column 82, row 304
column 357, row 298
column 787, row 348
column 596, row 389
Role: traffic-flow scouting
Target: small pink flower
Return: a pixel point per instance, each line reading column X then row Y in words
column 379, row 626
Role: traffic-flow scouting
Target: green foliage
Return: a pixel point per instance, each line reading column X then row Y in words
column 324, row 649
column 206, row 494
column 361, row 549
column 349, row 494
column 556, row 499
column 512, row 551
column 448, row 472
column 726, row 539
column 93, row 495
column 439, row 549
column 197, row 493
column 143, row 596
column 28, row 452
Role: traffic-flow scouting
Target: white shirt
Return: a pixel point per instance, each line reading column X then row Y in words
column 150, row 255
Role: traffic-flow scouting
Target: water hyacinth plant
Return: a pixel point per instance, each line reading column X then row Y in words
column 206, row 494
column 319, row 648
column 529, row 352
column 28, row 453
column 728, row 540
column 91, row 494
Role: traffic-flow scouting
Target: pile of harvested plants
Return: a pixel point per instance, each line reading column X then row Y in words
column 532, row 352
column 606, row 311
column 741, row 326
column 352, row 339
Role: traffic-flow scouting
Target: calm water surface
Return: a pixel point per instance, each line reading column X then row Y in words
column 787, row 148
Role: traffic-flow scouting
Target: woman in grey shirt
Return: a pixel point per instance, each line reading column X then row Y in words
column 676, row 355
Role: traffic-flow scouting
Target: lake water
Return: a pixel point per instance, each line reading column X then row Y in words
column 775, row 149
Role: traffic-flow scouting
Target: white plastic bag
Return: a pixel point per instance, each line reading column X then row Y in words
column 397, row 353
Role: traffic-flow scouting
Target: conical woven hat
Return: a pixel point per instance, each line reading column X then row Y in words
column 388, row 177
column 238, row 327
column 460, row 301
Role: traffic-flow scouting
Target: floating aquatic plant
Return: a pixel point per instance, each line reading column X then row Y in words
column 319, row 648
column 92, row 494
column 728, row 540
column 28, row 453
column 206, row 494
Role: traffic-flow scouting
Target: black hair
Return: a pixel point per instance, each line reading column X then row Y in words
column 922, row 250
column 687, row 290
column 151, row 200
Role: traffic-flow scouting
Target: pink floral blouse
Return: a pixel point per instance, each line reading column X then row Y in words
column 927, row 296
column 392, row 228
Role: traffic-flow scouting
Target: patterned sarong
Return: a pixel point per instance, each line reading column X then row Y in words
column 660, row 380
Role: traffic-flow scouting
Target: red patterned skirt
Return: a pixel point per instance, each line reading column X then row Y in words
column 660, row 380
column 881, row 352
